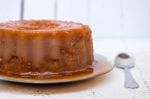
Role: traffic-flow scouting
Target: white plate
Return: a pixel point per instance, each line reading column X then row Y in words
column 100, row 67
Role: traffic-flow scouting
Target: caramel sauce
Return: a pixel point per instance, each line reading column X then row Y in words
column 47, row 75
column 96, row 66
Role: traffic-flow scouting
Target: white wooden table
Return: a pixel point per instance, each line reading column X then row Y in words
column 109, row 86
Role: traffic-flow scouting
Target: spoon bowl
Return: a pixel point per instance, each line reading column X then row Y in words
column 122, row 62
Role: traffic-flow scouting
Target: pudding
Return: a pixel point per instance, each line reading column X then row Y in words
column 31, row 47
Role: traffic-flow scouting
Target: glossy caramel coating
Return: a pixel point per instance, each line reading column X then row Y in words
column 45, row 46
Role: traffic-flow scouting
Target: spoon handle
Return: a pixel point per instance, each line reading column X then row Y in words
column 129, row 80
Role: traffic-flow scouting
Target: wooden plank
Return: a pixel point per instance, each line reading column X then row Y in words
column 9, row 10
column 105, row 18
column 120, row 18
column 39, row 9
column 73, row 10
column 136, row 18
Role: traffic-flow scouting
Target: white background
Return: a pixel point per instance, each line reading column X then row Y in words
column 107, row 18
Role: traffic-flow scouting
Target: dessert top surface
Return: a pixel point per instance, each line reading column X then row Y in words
column 39, row 25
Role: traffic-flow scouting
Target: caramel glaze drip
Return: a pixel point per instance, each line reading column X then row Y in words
column 44, row 46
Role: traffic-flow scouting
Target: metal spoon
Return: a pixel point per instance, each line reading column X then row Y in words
column 125, row 62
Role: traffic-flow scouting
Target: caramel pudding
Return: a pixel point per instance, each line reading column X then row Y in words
column 34, row 47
